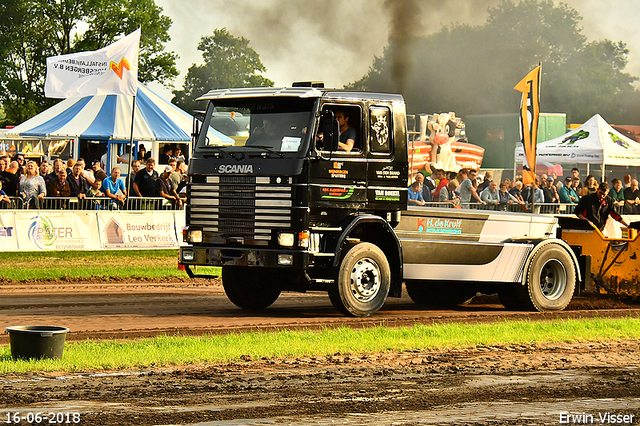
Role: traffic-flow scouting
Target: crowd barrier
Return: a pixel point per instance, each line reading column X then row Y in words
column 89, row 203
column 540, row 208
column 554, row 208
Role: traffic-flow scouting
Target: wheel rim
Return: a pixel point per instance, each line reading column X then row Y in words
column 553, row 279
column 365, row 280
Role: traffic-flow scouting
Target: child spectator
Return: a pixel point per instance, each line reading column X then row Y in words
column 94, row 190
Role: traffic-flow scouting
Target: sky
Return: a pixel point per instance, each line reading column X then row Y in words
column 335, row 41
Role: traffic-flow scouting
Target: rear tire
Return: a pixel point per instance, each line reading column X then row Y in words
column 363, row 281
column 550, row 282
column 439, row 295
column 250, row 289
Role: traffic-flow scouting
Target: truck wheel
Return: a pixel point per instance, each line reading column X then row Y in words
column 249, row 289
column 439, row 295
column 551, row 280
column 363, row 281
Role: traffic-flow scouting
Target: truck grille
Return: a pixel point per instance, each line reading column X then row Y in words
column 245, row 207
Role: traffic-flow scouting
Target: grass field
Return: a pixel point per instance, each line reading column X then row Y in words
column 178, row 350
column 60, row 264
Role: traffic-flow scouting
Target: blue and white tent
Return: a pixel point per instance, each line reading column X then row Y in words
column 108, row 117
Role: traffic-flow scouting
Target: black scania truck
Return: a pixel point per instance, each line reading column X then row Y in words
column 277, row 203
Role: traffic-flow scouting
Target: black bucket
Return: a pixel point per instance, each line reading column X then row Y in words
column 37, row 341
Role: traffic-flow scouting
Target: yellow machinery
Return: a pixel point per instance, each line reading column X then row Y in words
column 614, row 262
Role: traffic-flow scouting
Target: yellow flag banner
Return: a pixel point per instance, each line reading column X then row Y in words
column 529, row 112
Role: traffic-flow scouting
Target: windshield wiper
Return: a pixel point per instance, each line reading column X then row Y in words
column 269, row 150
column 221, row 150
column 218, row 149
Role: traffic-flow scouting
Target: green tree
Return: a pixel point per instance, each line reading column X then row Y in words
column 36, row 29
column 228, row 62
column 473, row 69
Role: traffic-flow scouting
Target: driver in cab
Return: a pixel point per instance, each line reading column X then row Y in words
column 347, row 133
column 267, row 132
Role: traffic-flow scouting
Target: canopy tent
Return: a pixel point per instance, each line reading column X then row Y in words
column 108, row 117
column 106, row 120
column 595, row 142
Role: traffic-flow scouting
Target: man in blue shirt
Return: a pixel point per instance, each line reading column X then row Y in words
column 415, row 191
column 113, row 187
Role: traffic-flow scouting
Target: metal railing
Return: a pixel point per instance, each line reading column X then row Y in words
column 159, row 203
column 549, row 208
column 89, row 203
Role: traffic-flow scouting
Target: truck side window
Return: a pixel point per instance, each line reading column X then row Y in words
column 350, row 123
column 380, row 129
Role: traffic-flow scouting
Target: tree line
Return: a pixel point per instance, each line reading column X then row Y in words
column 462, row 68
column 473, row 69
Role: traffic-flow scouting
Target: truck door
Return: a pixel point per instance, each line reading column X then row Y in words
column 339, row 177
column 386, row 189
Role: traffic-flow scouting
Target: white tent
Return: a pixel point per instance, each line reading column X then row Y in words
column 107, row 119
column 595, row 142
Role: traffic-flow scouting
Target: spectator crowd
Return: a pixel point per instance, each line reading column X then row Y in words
column 466, row 188
column 62, row 184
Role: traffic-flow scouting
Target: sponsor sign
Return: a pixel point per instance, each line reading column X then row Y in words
column 440, row 226
column 387, row 195
column 337, row 170
column 339, row 193
column 140, row 230
column 387, row 172
column 56, row 231
column 8, row 237
column 112, row 70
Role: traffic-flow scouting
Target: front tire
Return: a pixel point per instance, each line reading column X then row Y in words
column 363, row 281
column 250, row 289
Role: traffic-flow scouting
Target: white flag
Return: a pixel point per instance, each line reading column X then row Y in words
column 112, row 70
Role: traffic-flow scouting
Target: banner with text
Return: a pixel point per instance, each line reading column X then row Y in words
column 49, row 230
column 8, row 237
column 137, row 230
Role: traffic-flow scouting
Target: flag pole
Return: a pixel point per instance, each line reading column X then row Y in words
column 133, row 117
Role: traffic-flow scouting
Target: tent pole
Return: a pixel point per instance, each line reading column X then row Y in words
column 133, row 115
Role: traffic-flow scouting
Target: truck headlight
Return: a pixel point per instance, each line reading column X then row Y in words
column 285, row 239
column 194, row 236
column 187, row 255
column 285, row 259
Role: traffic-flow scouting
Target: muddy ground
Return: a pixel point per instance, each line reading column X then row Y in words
column 590, row 383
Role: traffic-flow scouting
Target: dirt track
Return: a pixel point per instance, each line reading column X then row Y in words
column 486, row 385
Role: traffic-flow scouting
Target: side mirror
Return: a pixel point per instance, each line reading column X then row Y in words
column 331, row 135
column 198, row 119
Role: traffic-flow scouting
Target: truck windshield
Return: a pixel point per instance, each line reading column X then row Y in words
column 279, row 126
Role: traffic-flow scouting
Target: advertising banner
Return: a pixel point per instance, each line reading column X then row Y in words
column 8, row 237
column 49, row 230
column 181, row 222
column 137, row 230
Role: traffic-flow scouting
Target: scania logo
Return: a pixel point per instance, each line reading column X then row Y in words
column 235, row 168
